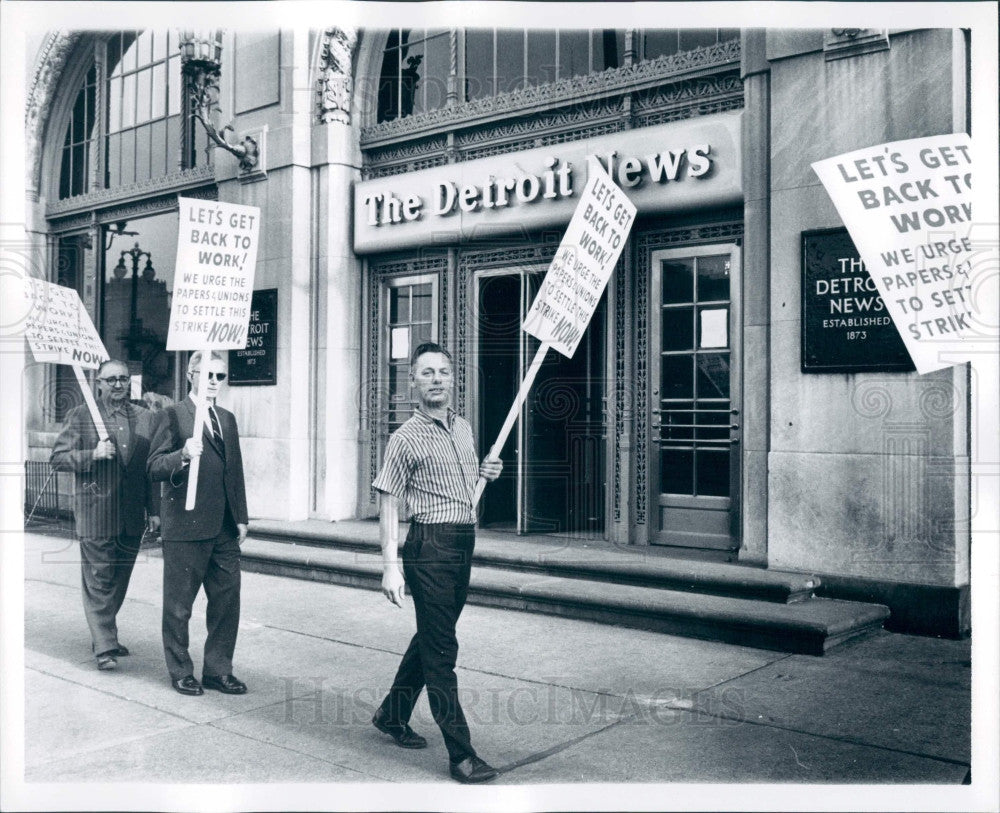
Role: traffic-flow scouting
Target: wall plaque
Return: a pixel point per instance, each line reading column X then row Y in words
column 257, row 363
column 845, row 326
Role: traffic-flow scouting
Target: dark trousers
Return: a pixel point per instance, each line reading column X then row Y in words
column 437, row 560
column 106, row 567
column 214, row 563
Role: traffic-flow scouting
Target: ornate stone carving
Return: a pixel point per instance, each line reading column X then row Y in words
column 52, row 58
column 573, row 90
column 335, row 83
column 174, row 182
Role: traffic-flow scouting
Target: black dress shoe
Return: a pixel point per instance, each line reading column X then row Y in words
column 227, row 684
column 472, row 770
column 188, row 685
column 404, row 736
column 120, row 651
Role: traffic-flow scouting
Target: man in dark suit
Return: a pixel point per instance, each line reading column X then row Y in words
column 111, row 501
column 201, row 546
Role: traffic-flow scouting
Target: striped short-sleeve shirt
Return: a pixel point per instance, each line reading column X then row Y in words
column 432, row 466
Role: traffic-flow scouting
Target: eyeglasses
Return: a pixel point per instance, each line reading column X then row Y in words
column 212, row 376
column 116, row 380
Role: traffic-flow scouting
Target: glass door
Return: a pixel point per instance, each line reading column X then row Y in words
column 694, row 378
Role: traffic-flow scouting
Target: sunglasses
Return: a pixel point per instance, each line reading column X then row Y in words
column 116, row 380
column 211, row 376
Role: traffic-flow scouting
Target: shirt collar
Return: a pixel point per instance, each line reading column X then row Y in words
column 196, row 401
column 450, row 418
column 110, row 409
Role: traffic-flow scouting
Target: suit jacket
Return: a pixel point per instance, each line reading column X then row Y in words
column 110, row 496
column 220, row 477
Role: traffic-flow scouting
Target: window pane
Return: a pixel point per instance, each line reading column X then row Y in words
column 676, row 471
column 399, row 382
column 174, row 89
column 713, row 472
column 677, row 281
column 609, row 46
column 79, row 117
column 143, row 96
column 128, row 101
column 713, row 278
column 438, row 65
column 678, row 329
column 91, row 101
column 145, row 48
column 399, row 305
column 510, row 61
column 64, row 173
column 659, row 43
column 420, row 334
column 541, row 57
column 115, row 105
column 158, row 149
column 388, row 86
column 159, row 45
column 411, row 76
column 692, row 38
column 142, row 153
column 677, row 377
column 478, row 63
column 129, row 61
column 79, row 169
column 173, row 143
column 114, row 54
column 713, row 375
column 147, row 352
column 159, row 95
column 574, row 53
column 713, row 327
column 113, row 171
column 421, row 303
column 128, row 157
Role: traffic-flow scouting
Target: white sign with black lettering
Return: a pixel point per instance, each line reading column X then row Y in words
column 59, row 329
column 908, row 208
column 213, row 284
column 583, row 263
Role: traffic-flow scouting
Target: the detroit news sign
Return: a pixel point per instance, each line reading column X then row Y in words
column 583, row 264
column 213, row 283
column 59, row 329
column 908, row 207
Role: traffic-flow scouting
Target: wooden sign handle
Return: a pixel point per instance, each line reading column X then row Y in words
column 88, row 397
column 200, row 419
column 515, row 410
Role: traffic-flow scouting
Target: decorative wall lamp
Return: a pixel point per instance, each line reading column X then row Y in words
column 201, row 63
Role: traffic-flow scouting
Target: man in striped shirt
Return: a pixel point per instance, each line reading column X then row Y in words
column 431, row 466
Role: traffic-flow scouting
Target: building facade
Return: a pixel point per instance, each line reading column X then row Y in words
column 414, row 184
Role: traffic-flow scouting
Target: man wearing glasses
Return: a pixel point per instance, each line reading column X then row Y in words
column 112, row 501
column 201, row 547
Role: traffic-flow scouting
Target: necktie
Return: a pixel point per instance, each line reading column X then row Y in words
column 216, row 428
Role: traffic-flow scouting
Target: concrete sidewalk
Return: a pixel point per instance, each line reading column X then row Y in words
column 549, row 700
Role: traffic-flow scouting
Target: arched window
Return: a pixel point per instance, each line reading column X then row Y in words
column 137, row 120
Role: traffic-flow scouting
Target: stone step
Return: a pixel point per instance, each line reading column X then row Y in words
column 809, row 626
column 571, row 558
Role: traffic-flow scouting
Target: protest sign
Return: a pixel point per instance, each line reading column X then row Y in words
column 583, row 264
column 213, row 283
column 213, row 290
column 59, row 331
column 908, row 208
column 573, row 285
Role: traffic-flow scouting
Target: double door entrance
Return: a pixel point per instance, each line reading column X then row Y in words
column 555, row 478
column 554, row 466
